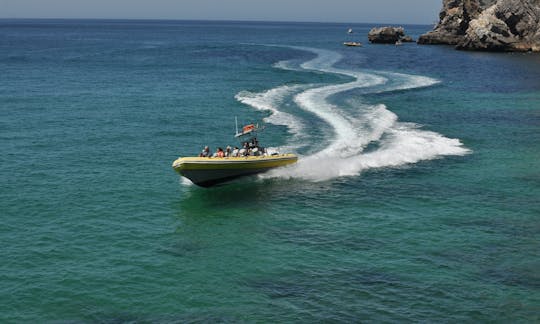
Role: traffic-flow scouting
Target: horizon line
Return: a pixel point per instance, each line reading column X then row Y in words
column 216, row 20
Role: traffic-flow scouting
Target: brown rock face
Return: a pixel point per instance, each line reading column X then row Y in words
column 493, row 25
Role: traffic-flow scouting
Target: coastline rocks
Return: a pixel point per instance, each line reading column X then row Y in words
column 388, row 35
column 407, row 39
column 490, row 25
column 453, row 23
column 509, row 25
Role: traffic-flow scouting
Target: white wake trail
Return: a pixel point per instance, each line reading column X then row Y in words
column 346, row 141
column 270, row 100
column 398, row 143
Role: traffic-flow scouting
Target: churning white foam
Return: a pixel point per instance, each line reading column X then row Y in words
column 407, row 81
column 398, row 143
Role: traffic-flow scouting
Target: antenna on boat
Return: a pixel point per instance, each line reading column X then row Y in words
column 236, row 124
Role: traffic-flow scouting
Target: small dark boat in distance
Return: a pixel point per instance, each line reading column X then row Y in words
column 354, row 44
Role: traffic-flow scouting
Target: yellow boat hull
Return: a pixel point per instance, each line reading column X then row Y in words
column 206, row 172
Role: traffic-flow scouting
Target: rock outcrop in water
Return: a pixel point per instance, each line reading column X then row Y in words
column 492, row 25
column 388, row 35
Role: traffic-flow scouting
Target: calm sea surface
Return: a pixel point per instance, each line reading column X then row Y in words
column 416, row 198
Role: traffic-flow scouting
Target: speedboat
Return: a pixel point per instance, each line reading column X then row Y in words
column 207, row 171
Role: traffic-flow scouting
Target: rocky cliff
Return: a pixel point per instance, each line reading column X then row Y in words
column 388, row 35
column 495, row 25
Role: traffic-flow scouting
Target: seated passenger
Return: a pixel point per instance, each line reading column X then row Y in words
column 220, row 153
column 235, row 151
column 205, row 152
column 228, row 151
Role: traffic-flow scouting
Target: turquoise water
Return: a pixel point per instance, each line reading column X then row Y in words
column 416, row 198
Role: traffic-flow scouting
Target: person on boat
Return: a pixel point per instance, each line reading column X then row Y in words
column 219, row 153
column 228, row 151
column 235, row 151
column 244, row 151
column 254, row 142
column 205, row 152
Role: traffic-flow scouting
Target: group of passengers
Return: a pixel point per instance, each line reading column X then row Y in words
column 249, row 148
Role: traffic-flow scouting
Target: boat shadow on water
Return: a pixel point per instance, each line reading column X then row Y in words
column 248, row 193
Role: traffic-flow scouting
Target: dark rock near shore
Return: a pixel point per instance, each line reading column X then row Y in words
column 491, row 25
column 388, row 35
column 407, row 39
column 453, row 22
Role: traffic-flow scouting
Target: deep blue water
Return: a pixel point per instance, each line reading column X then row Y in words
column 416, row 198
